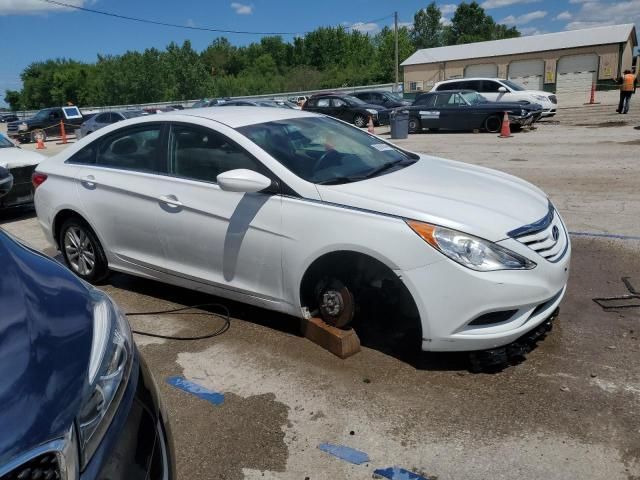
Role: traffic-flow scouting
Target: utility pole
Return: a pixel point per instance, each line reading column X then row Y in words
column 397, row 63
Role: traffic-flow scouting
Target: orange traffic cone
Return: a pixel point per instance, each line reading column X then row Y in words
column 63, row 134
column 370, row 127
column 505, row 131
column 40, row 141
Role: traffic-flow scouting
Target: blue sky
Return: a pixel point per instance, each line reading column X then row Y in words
column 34, row 30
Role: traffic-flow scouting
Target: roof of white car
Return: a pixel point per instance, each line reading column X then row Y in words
column 236, row 117
column 534, row 43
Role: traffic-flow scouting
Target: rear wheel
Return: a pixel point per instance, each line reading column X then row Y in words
column 336, row 302
column 414, row 125
column 82, row 251
column 493, row 124
column 360, row 121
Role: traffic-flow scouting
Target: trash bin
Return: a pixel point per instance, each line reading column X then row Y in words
column 399, row 120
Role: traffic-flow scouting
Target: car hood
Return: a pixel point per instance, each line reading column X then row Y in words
column 45, row 343
column 17, row 157
column 472, row 199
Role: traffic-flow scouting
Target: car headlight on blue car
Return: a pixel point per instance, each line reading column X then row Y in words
column 107, row 375
column 469, row 251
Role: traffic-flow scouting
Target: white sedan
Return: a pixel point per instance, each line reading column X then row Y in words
column 306, row 215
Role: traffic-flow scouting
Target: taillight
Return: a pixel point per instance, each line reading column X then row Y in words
column 37, row 179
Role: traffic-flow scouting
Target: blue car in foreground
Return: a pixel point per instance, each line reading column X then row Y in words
column 76, row 398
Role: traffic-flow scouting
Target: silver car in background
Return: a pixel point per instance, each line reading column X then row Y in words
column 107, row 118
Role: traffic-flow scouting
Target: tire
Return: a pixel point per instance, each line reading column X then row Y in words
column 336, row 303
column 493, row 124
column 34, row 133
column 360, row 120
column 414, row 125
column 74, row 233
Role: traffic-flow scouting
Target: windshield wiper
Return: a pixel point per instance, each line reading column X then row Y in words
column 339, row 180
column 388, row 166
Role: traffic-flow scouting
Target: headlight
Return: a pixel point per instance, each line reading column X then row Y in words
column 523, row 113
column 472, row 252
column 541, row 98
column 372, row 111
column 109, row 368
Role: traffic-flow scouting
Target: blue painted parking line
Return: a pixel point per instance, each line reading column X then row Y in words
column 197, row 390
column 397, row 473
column 347, row 454
column 604, row 235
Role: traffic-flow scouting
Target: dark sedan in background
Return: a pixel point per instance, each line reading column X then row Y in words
column 78, row 402
column 347, row 108
column 384, row 99
column 8, row 117
column 467, row 110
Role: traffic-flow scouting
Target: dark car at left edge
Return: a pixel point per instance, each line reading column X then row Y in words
column 78, row 401
column 347, row 108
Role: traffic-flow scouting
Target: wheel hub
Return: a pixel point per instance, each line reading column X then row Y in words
column 332, row 303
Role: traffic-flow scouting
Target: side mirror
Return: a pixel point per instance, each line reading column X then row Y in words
column 243, row 180
column 6, row 181
column 502, row 90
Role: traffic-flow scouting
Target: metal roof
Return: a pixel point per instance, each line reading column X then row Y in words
column 534, row 43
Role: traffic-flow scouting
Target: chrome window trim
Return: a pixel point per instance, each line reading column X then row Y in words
column 65, row 448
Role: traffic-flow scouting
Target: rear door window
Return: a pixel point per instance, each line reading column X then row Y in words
column 136, row 149
column 426, row 100
column 489, row 86
column 442, row 100
column 323, row 102
column 449, row 86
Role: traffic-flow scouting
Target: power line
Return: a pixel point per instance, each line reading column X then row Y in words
column 187, row 27
column 164, row 24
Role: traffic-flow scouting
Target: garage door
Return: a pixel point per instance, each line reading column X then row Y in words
column 527, row 73
column 488, row 70
column 575, row 74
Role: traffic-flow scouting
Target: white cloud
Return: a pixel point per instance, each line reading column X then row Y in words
column 527, row 31
column 504, row 3
column 596, row 13
column 564, row 16
column 445, row 21
column 364, row 27
column 29, row 7
column 524, row 18
column 448, row 8
column 242, row 9
column 408, row 25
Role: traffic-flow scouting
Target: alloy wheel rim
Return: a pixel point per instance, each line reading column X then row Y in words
column 360, row 121
column 79, row 251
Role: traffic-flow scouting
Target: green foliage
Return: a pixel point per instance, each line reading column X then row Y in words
column 427, row 27
column 328, row 57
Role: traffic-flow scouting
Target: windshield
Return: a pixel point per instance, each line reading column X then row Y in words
column 133, row 113
column 325, row 151
column 392, row 96
column 42, row 114
column 513, row 86
column 473, row 98
column 5, row 142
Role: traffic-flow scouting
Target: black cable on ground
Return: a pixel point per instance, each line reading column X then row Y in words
column 226, row 317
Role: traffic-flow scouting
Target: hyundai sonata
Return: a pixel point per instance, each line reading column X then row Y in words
column 304, row 214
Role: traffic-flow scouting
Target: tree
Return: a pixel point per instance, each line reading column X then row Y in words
column 12, row 98
column 471, row 24
column 385, row 56
column 427, row 27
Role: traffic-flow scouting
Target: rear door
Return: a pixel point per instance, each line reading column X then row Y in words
column 117, row 186
column 424, row 108
column 340, row 109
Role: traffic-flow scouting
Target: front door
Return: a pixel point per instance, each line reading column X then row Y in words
column 228, row 239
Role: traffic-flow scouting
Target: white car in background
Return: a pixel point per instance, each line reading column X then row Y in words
column 21, row 164
column 303, row 214
column 499, row 90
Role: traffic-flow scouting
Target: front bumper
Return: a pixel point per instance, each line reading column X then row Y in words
column 138, row 444
column 450, row 297
column 524, row 120
column 22, row 192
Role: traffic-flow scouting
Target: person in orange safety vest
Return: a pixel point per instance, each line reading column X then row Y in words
column 627, row 88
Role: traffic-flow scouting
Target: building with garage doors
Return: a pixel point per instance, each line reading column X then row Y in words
column 563, row 62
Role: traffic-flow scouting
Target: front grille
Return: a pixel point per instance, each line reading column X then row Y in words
column 42, row 467
column 553, row 99
column 547, row 237
column 493, row 317
column 22, row 174
column 12, row 128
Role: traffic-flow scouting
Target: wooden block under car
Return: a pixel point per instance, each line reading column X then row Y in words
column 343, row 343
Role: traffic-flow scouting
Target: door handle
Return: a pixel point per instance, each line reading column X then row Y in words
column 89, row 181
column 170, row 200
